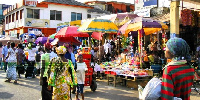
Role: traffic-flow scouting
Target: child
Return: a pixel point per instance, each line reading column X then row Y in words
column 81, row 68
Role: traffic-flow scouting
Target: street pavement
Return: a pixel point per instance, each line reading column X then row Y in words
column 29, row 89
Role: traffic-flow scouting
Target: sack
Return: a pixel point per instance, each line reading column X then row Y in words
column 152, row 90
column 37, row 57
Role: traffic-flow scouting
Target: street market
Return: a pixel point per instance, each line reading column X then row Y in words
column 159, row 59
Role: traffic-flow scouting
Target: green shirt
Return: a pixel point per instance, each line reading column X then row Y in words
column 46, row 57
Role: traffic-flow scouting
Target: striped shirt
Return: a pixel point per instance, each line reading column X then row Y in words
column 177, row 82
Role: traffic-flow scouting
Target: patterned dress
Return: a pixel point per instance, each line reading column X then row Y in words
column 61, row 79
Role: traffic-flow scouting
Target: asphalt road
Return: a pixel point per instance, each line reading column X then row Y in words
column 29, row 89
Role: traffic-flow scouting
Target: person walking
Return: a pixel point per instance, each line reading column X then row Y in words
column 12, row 64
column 178, row 74
column 80, row 72
column 21, row 58
column 4, row 53
column 45, row 59
column 31, row 60
column 62, row 75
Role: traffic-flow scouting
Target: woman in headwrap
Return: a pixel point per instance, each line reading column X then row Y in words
column 178, row 74
column 62, row 75
column 45, row 58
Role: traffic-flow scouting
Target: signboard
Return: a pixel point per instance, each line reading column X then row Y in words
column 37, row 22
column 145, row 4
column 32, row 3
column 143, row 13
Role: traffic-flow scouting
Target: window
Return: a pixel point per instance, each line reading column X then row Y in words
column 88, row 15
column 33, row 13
column 21, row 12
column 9, row 18
column 55, row 15
column 128, row 8
column 17, row 14
column 76, row 16
column 13, row 17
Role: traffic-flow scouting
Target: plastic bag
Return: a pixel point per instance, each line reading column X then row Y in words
column 152, row 90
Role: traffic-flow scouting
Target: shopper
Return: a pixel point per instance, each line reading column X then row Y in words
column 12, row 64
column 178, row 75
column 45, row 59
column 4, row 53
column 62, row 76
column 20, row 57
column 31, row 60
column 80, row 72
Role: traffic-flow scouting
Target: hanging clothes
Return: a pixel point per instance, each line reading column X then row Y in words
column 62, row 77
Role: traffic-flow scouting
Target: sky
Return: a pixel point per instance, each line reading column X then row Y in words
column 12, row 2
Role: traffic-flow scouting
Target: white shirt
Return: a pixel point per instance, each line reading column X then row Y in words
column 31, row 54
column 81, row 68
column 13, row 55
column 96, row 67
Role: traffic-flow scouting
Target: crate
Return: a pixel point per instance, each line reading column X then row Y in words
column 88, row 80
column 89, row 72
column 86, row 56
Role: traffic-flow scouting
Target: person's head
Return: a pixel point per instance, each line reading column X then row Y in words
column 177, row 49
column 12, row 45
column 61, row 50
column 8, row 43
column 80, row 58
column 20, row 46
column 47, row 47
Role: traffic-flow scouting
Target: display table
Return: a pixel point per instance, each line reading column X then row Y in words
column 128, row 80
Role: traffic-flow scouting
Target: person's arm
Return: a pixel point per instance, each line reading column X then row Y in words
column 167, row 87
column 3, row 53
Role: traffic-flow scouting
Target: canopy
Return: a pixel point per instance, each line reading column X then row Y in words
column 11, row 39
column 98, row 25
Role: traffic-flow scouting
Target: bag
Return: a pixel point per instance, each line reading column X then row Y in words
column 37, row 57
column 152, row 90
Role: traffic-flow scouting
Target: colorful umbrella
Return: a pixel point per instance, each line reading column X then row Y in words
column 148, row 25
column 98, row 25
column 97, row 35
column 62, row 40
column 70, row 31
column 43, row 40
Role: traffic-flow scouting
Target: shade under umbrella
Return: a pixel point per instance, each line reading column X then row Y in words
column 43, row 40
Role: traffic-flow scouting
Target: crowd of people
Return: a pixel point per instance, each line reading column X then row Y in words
column 57, row 67
column 60, row 71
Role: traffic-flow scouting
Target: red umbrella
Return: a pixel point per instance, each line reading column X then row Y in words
column 70, row 31
column 97, row 35
column 62, row 40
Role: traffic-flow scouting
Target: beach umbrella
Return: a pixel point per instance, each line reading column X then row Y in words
column 43, row 40
column 98, row 25
column 70, row 31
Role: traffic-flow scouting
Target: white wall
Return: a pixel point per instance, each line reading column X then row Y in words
column 66, row 13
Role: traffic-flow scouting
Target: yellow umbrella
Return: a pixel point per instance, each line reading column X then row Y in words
column 98, row 25
column 74, row 23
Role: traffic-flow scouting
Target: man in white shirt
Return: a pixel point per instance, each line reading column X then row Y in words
column 81, row 69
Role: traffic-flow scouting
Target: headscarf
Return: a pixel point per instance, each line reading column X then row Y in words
column 48, row 46
column 61, row 50
column 179, row 48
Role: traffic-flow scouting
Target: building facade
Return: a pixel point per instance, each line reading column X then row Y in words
column 29, row 15
column 113, row 6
